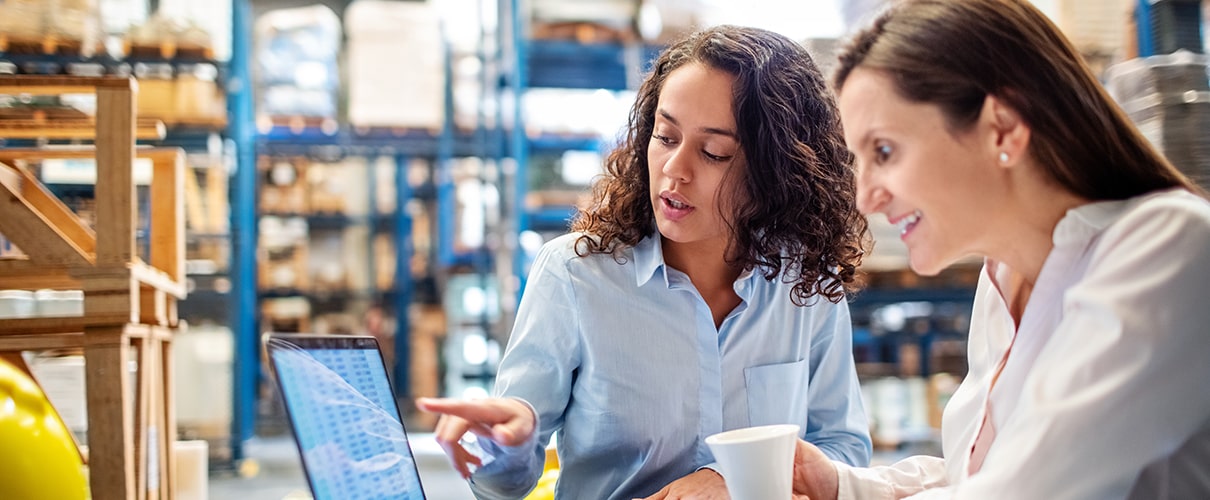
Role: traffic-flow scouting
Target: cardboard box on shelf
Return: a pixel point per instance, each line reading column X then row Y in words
column 339, row 188
column 283, row 187
column 384, row 262
column 157, row 92
column 288, row 314
column 409, row 92
column 283, row 269
column 427, row 332
column 198, row 98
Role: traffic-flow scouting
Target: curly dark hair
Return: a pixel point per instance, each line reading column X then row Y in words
column 797, row 211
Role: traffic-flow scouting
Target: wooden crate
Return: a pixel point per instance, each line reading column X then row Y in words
column 129, row 304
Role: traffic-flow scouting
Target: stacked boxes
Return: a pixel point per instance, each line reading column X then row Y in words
column 296, row 62
column 283, row 186
column 66, row 27
column 1168, row 97
column 396, row 64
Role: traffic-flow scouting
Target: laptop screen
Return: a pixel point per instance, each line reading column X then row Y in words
column 344, row 417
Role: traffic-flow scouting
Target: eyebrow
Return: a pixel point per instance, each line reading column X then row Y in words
column 708, row 130
column 866, row 138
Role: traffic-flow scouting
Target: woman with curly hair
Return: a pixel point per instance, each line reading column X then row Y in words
column 703, row 290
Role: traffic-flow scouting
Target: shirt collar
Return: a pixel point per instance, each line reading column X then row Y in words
column 649, row 261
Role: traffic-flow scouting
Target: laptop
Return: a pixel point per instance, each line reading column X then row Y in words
column 344, row 417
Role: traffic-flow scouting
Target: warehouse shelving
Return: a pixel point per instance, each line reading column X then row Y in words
column 129, row 297
column 563, row 64
column 206, row 301
column 332, row 140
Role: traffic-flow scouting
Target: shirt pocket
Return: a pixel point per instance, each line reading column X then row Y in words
column 777, row 393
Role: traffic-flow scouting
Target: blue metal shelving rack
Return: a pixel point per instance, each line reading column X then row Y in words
column 241, row 129
column 400, row 143
column 556, row 64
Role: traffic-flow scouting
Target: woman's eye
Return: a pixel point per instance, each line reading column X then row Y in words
column 882, row 153
column 715, row 158
column 665, row 140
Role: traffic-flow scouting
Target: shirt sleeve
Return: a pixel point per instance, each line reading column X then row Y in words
column 537, row 368
column 1123, row 382
column 906, row 477
column 836, row 419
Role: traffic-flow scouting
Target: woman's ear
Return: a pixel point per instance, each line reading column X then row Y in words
column 1009, row 134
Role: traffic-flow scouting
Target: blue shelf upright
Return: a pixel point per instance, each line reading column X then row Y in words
column 243, row 231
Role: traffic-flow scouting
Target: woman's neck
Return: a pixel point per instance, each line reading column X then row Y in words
column 1024, row 232
column 704, row 262
column 706, row 265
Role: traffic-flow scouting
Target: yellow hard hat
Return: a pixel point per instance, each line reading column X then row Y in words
column 40, row 459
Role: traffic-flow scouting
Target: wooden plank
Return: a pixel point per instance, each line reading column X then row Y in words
column 23, row 274
column 60, row 84
column 172, row 312
column 107, row 307
column 168, row 215
column 41, row 341
column 59, row 216
column 76, row 152
column 150, row 276
column 144, row 424
column 110, row 418
column 154, row 307
column 167, row 408
column 148, row 129
column 118, row 277
column 41, row 326
column 30, row 230
column 115, row 192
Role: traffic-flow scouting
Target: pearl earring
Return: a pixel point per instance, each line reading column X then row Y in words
column 1003, row 157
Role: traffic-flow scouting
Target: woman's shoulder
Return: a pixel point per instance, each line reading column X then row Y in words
column 1175, row 219
column 572, row 249
column 1167, row 207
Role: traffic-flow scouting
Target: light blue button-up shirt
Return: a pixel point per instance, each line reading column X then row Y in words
column 621, row 358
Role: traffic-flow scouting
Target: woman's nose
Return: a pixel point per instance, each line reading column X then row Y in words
column 870, row 196
column 678, row 165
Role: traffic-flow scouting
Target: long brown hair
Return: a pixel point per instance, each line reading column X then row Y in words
column 795, row 210
column 956, row 53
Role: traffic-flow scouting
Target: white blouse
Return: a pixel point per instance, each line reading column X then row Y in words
column 1106, row 393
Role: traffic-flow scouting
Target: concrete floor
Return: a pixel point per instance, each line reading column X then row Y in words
column 275, row 474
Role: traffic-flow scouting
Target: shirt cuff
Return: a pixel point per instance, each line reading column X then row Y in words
column 853, row 483
column 506, row 457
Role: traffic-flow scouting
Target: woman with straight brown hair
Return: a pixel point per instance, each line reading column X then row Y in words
column 978, row 129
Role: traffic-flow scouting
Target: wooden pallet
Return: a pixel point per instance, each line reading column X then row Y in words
column 48, row 44
column 129, row 304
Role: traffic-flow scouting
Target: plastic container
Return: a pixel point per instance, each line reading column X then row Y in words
column 59, row 303
column 16, row 304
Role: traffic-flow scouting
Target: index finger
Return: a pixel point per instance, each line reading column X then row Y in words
column 479, row 411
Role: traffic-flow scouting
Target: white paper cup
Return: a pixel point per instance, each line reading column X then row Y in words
column 757, row 462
